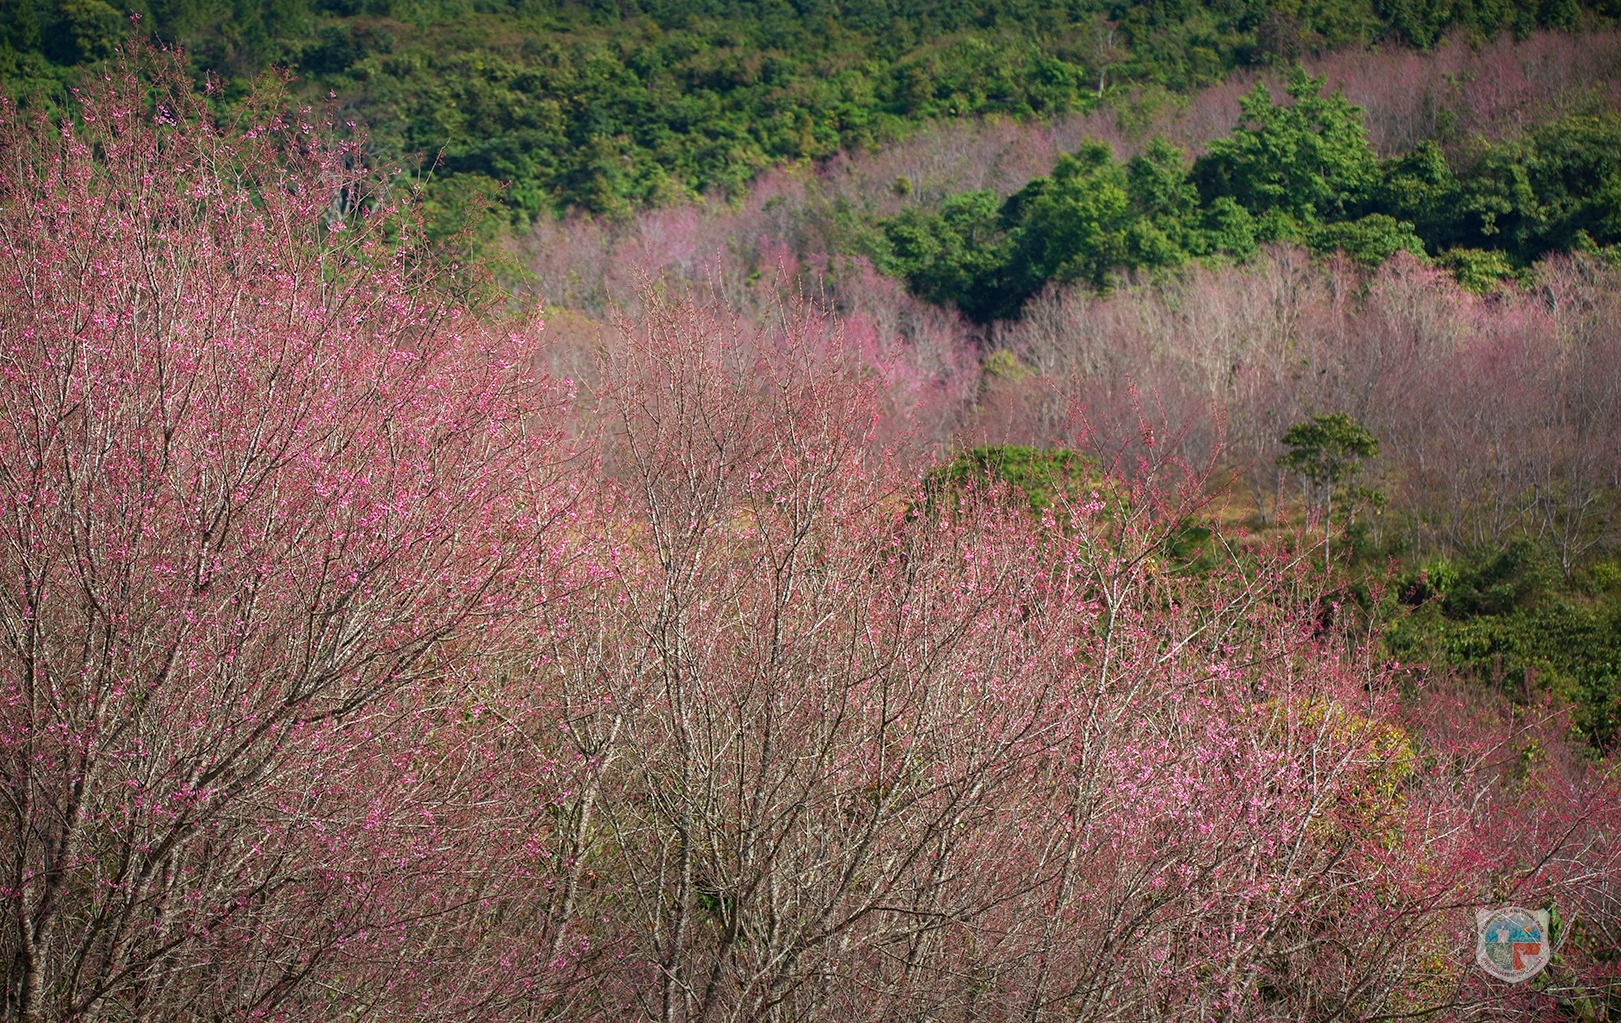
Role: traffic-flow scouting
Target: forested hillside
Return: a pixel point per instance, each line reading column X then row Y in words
column 926, row 512
column 932, row 172
column 609, row 106
column 1302, row 172
column 1435, row 260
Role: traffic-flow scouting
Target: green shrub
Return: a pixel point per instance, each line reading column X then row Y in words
column 1040, row 478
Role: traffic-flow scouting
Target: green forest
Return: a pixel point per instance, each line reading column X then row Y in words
column 610, row 106
column 1302, row 173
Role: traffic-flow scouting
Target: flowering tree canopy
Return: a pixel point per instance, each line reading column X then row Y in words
column 258, row 477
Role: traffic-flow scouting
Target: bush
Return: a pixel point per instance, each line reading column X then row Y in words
column 1039, row 479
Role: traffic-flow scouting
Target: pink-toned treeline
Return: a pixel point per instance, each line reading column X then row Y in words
column 350, row 671
column 1400, row 348
column 1455, row 93
column 1495, row 413
column 977, row 766
column 1492, row 411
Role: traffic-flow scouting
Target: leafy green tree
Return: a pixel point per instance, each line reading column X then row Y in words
column 1482, row 271
column 19, row 25
column 92, row 28
column 1072, row 226
column 1367, row 241
column 1167, row 204
column 1309, row 161
column 1226, row 228
column 1420, row 22
column 1557, row 188
column 1328, row 451
column 953, row 255
column 1420, row 187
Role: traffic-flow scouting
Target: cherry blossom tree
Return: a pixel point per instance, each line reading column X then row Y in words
column 263, row 481
column 868, row 755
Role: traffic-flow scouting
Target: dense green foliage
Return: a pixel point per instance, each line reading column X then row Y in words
column 1557, row 188
column 1304, row 163
column 1300, row 172
column 1040, row 478
column 1508, row 619
column 610, row 105
column 1328, row 449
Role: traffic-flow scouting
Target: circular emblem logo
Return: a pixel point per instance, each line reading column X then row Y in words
column 1513, row 943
